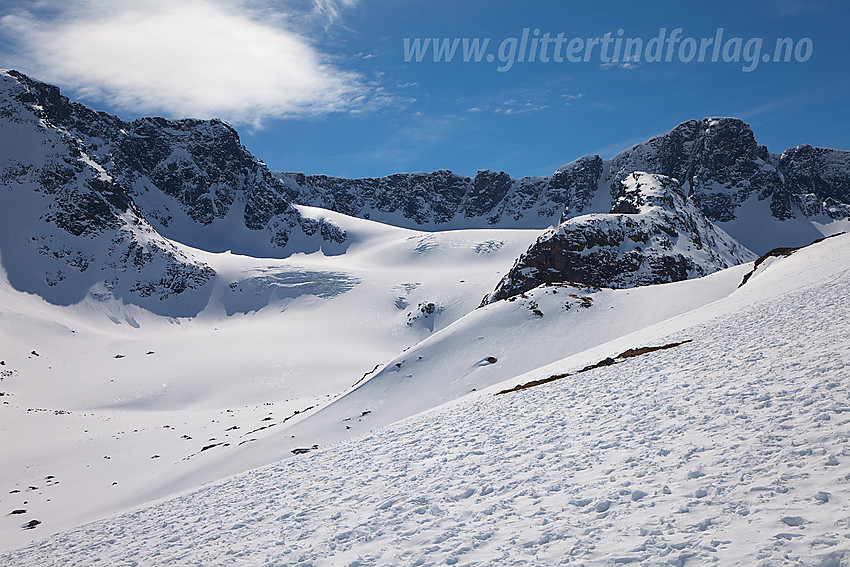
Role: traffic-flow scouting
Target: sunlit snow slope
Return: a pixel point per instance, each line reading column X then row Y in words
column 728, row 449
column 106, row 406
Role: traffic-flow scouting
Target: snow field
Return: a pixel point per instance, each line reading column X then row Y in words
column 114, row 433
column 731, row 449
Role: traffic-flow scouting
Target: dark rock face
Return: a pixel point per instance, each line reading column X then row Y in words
column 423, row 198
column 89, row 201
column 717, row 160
column 443, row 199
column 488, row 190
column 575, row 186
column 201, row 165
column 818, row 180
column 652, row 235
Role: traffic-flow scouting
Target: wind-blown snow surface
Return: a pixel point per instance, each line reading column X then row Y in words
column 730, row 449
column 118, row 432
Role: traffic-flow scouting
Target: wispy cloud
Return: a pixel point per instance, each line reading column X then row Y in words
column 523, row 100
column 418, row 136
column 331, row 9
column 795, row 7
column 232, row 59
column 629, row 62
column 513, row 106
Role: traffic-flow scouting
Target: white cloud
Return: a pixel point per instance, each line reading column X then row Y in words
column 198, row 58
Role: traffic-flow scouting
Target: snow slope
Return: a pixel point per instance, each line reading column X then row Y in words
column 118, row 402
column 541, row 327
column 729, row 449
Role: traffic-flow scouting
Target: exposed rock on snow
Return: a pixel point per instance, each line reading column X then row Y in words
column 777, row 253
column 424, row 315
column 608, row 361
column 653, row 234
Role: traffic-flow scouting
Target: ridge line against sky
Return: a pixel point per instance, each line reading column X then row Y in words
column 329, row 86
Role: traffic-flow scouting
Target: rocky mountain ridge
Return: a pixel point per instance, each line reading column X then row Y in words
column 730, row 177
column 93, row 205
column 89, row 201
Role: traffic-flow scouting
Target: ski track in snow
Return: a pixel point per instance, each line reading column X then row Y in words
column 732, row 449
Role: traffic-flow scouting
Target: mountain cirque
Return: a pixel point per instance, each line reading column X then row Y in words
column 171, row 313
column 96, row 204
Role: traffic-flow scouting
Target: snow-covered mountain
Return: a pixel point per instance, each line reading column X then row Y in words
column 97, row 206
column 653, row 234
column 757, row 197
column 91, row 204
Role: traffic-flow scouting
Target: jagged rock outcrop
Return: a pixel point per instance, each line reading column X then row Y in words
column 422, row 198
column 718, row 161
column 171, row 169
column 653, row 234
column 445, row 200
column 721, row 166
column 94, row 204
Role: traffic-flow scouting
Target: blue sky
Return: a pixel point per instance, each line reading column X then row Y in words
column 322, row 86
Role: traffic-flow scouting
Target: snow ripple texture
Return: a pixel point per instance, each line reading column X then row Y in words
column 731, row 449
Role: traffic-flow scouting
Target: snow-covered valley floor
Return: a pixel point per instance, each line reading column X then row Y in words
column 729, row 449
